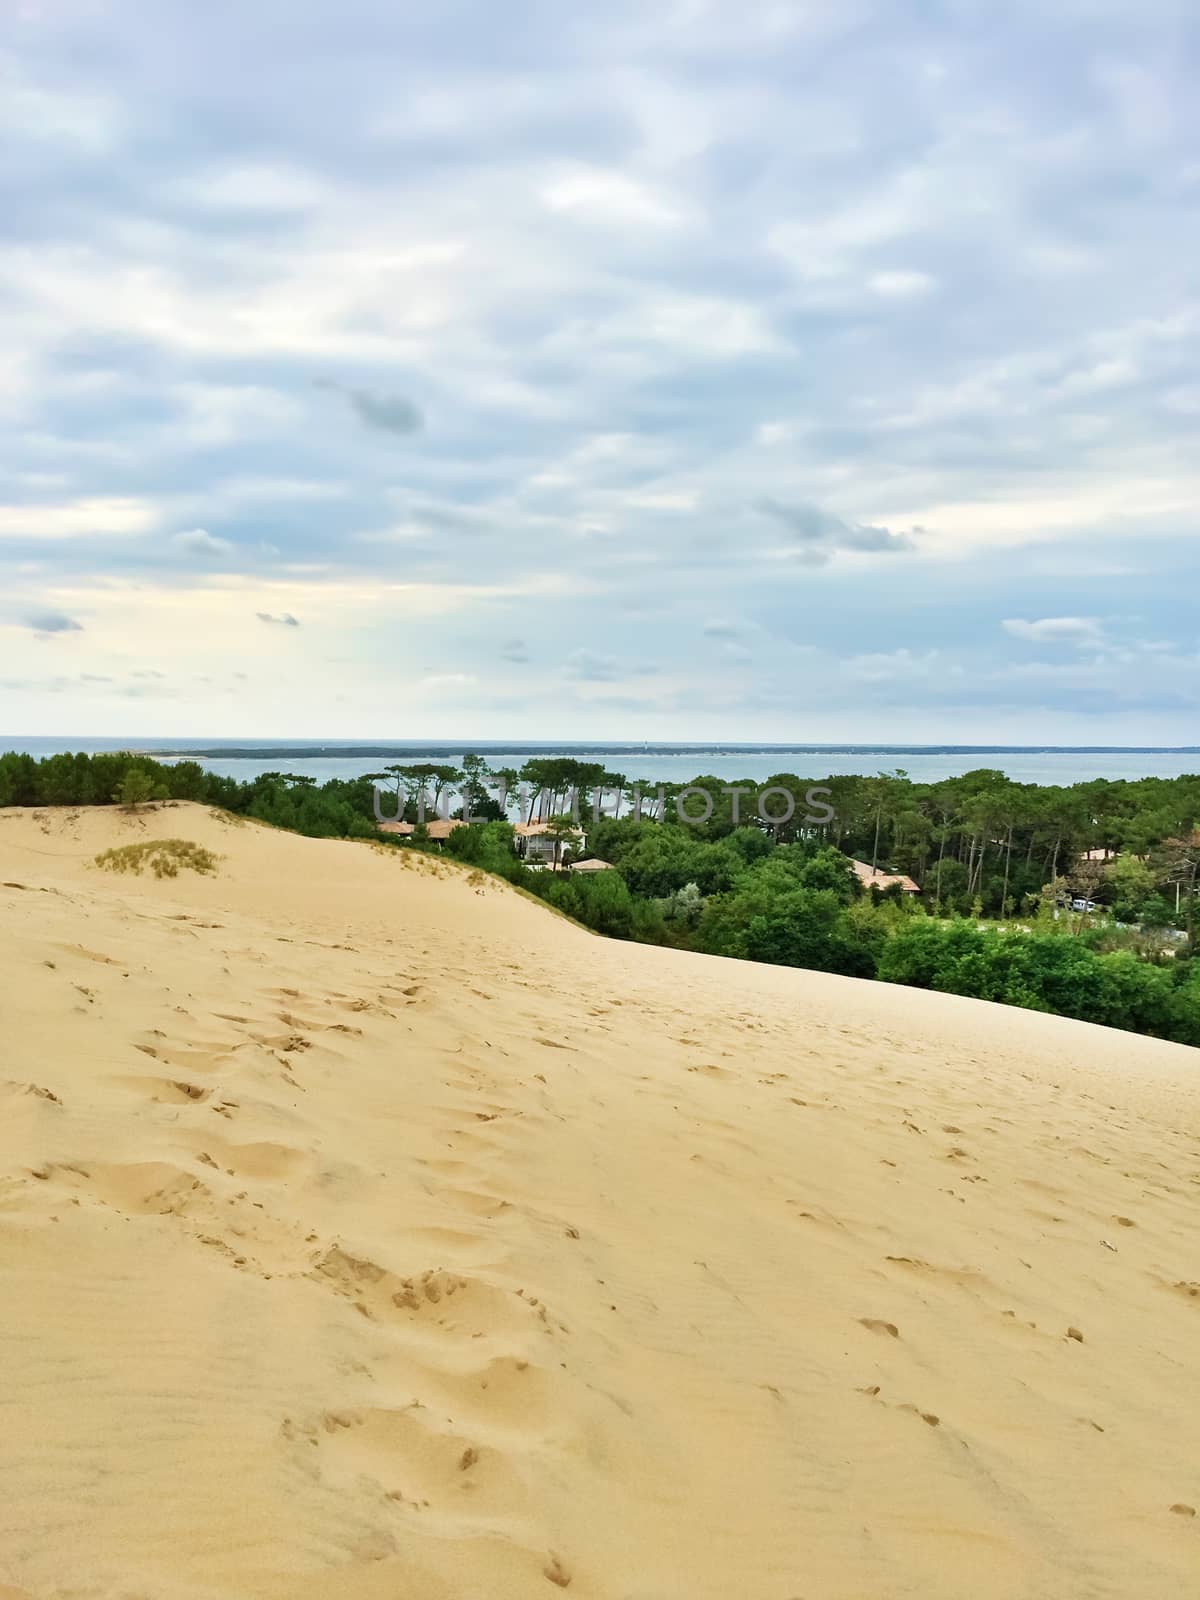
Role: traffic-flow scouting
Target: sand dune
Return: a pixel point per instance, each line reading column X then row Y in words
column 368, row 1231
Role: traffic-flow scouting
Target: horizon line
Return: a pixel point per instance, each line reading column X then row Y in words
column 247, row 748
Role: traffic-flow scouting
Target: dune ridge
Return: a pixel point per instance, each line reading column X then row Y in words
column 366, row 1230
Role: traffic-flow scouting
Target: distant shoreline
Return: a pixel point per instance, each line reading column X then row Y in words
column 261, row 752
column 658, row 761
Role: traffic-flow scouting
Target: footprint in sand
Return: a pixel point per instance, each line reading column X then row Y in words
column 930, row 1418
column 34, row 1089
column 416, row 1439
column 557, row 1573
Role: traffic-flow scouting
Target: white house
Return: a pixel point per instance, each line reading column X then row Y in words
column 537, row 846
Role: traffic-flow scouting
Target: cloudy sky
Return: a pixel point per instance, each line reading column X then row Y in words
column 707, row 370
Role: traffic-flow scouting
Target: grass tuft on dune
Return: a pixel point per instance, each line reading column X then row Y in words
column 164, row 857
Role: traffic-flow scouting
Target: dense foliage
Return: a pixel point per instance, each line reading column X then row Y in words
column 1000, row 866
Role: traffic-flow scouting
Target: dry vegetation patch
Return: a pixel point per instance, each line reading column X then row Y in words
column 164, row 857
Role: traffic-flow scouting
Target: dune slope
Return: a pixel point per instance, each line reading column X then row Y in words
column 366, row 1230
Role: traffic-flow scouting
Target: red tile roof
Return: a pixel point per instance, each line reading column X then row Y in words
column 438, row 828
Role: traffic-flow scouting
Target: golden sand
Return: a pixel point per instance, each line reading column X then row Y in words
column 366, row 1230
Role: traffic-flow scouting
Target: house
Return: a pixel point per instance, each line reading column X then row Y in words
column 438, row 829
column 592, row 865
column 872, row 878
column 538, row 846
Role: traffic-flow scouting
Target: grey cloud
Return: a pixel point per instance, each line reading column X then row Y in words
column 285, row 619
column 147, row 691
column 515, row 650
column 448, row 519
column 820, row 533
column 390, row 413
column 588, row 667
column 51, row 622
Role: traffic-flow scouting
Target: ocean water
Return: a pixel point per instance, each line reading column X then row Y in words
column 653, row 763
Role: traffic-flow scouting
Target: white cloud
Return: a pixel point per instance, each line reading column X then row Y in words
column 828, row 242
column 895, row 665
column 68, row 519
column 1057, row 630
column 773, row 433
column 218, row 415
column 90, row 122
column 662, row 500
column 255, row 189
column 439, row 683
column 695, row 325
column 199, row 542
column 902, row 285
column 609, row 199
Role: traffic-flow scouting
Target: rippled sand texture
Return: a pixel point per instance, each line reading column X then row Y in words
column 366, row 1230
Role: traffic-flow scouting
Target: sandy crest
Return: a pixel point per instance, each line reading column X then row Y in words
column 368, row 1231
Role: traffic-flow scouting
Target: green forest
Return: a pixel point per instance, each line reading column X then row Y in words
column 1077, row 900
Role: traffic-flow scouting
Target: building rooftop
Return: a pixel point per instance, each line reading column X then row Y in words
column 874, row 879
column 439, row 828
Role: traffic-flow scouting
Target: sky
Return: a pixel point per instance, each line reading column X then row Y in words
column 705, row 370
